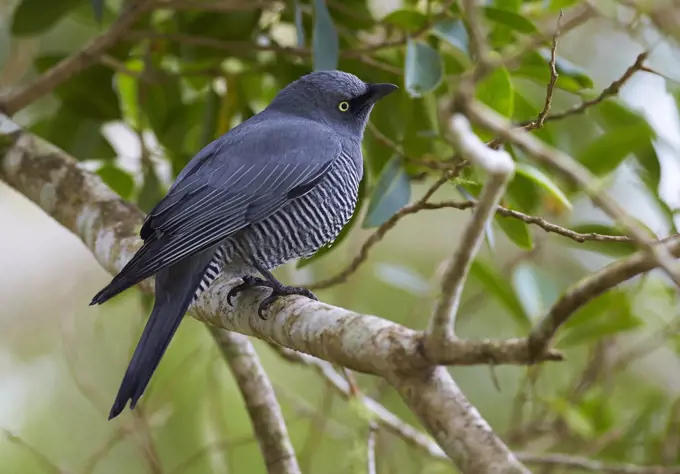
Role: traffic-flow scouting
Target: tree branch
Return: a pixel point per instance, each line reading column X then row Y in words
column 258, row 394
column 108, row 226
column 500, row 168
column 76, row 62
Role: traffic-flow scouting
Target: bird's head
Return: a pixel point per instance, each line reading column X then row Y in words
column 336, row 98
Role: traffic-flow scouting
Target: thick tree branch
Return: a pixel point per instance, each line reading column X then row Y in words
column 76, row 62
column 108, row 226
column 258, row 394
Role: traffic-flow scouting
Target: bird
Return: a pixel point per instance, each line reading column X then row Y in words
column 276, row 187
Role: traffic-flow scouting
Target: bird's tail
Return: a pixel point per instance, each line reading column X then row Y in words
column 175, row 289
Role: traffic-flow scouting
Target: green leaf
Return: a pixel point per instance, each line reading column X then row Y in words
column 409, row 20
column 453, row 32
column 614, row 249
column 325, row 48
column 77, row 135
column 163, row 107
column 612, row 114
column 544, row 181
column 126, row 88
column 499, row 288
column 497, row 92
column 117, row 179
column 32, row 17
column 151, row 191
column 509, row 19
column 574, row 417
column 423, row 68
column 605, row 315
column 516, row 230
column 343, row 233
column 604, row 154
column 510, row 5
column 210, row 118
column 526, row 281
column 391, row 193
column 89, row 92
column 418, row 117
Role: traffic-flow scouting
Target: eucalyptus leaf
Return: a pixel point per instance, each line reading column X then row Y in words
column 391, row 193
column 423, row 68
column 499, row 288
column 544, row 181
column 325, row 47
column 453, row 32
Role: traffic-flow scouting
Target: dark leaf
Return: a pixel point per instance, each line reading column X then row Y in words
column 409, row 20
column 76, row 134
column 423, row 68
column 117, row 179
column 453, row 32
column 544, row 182
column 509, row 19
column 604, row 154
column 89, row 93
column 325, row 48
column 391, row 193
column 151, row 191
column 32, row 17
column 608, row 314
column 499, row 288
column 516, row 230
column 497, row 92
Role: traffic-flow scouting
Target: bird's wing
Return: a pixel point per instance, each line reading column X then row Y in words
column 235, row 181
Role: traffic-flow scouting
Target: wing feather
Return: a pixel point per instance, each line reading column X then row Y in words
column 241, row 178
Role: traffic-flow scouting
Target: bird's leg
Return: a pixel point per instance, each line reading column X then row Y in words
column 249, row 281
column 278, row 289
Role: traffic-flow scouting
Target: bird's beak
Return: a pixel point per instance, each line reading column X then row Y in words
column 378, row 91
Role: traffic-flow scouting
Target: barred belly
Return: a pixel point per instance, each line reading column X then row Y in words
column 297, row 230
column 306, row 224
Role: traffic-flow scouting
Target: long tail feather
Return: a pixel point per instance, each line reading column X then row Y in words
column 175, row 290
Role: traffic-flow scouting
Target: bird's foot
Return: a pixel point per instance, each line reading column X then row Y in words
column 278, row 290
column 249, row 281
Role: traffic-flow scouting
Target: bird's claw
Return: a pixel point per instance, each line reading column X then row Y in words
column 282, row 290
column 278, row 290
column 248, row 282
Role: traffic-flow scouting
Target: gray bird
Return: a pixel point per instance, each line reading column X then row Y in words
column 279, row 186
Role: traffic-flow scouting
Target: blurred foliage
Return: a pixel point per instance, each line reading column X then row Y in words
column 184, row 76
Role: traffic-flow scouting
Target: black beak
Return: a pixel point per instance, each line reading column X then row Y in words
column 378, row 91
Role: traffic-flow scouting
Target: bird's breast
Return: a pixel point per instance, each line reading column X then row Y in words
column 307, row 223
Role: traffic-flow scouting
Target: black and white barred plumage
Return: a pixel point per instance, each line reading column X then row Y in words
column 277, row 187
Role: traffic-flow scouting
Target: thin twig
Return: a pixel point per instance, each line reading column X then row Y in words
column 612, row 90
column 73, row 64
column 577, row 173
column 584, row 464
column 553, row 76
column 416, row 207
column 500, row 169
column 370, row 449
column 46, row 463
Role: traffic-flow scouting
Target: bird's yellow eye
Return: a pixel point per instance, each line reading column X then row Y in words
column 343, row 106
